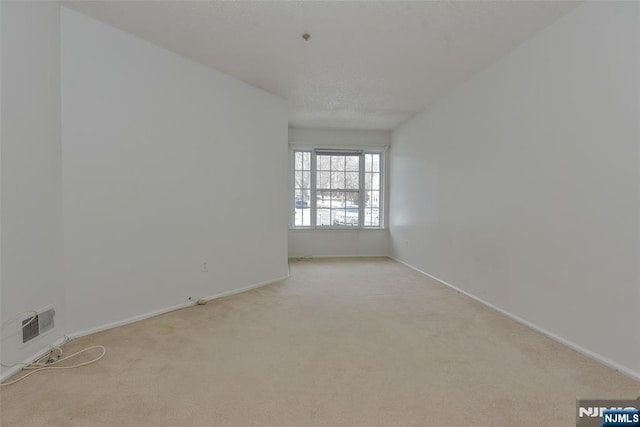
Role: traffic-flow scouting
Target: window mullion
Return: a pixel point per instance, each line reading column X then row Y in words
column 381, row 187
column 361, row 191
column 314, row 199
column 293, row 199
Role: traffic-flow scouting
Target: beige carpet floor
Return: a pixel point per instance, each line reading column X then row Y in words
column 352, row 342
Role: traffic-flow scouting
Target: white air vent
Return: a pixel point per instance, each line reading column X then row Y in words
column 33, row 327
column 45, row 320
column 30, row 329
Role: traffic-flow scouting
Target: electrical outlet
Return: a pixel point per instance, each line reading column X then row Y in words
column 205, row 268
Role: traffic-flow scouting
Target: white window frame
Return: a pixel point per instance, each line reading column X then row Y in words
column 361, row 190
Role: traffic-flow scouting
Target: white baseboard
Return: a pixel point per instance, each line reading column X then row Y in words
column 128, row 320
column 246, row 288
column 170, row 309
column 337, row 256
column 595, row 356
column 12, row 371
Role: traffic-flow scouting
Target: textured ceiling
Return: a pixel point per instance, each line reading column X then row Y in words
column 367, row 65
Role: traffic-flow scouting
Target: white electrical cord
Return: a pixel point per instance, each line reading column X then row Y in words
column 39, row 362
column 48, row 360
column 38, row 365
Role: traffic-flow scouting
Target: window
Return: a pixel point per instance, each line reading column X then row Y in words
column 337, row 189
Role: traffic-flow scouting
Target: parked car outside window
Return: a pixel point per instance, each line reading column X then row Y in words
column 348, row 216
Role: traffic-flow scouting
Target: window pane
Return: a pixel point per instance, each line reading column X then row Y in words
column 324, row 163
column 337, row 163
column 337, row 195
column 332, row 216
column 372, row 181
column 372, row 199
column 353, row 163
column 376, row 162
column 298, row 179
column 375, row 181
column 338, row 216
column 367, row 216
column 367, row 162
column 345, row 217
column 323, row 217
column 352, row 180
column 337, row 180
column 371, row 217
column 301, row 209
column 326, row 215
column 337, row 199
column 323, row 199
column 302, row 198
column 348, row 214
column 323, row 180
column 298, row 160
column 323, row 205
column 352, row 198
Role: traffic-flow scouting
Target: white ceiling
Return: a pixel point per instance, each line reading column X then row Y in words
column 367, row 65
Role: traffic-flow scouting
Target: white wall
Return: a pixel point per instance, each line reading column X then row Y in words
column 339, row 137
column 337, row 243
column 522, row 186
column 167, row 165
column 31, row 189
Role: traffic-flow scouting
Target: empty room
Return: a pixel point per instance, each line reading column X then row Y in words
column 320, row 213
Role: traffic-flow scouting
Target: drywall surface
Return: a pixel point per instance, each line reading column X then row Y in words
column 31, row 189
column 522, row 186
column 339, row 137
column 338, row 243
column 175, row 178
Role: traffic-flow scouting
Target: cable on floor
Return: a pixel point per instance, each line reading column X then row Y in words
column 39, row 365
column 40, row 362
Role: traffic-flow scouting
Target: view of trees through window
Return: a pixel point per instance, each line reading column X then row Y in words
column 337, row 189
